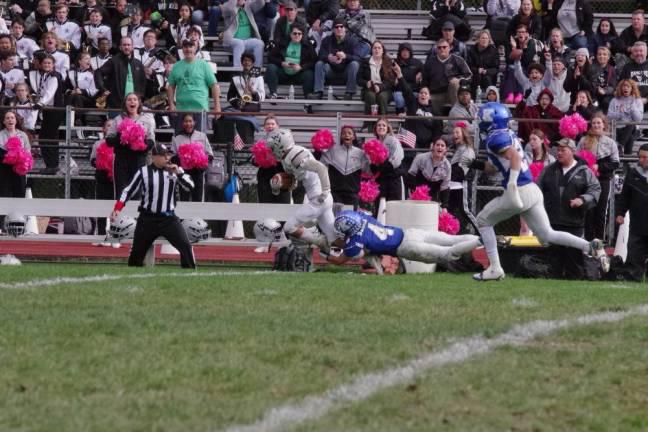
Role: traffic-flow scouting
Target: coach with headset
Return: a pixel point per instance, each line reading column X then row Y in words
column 157, row 182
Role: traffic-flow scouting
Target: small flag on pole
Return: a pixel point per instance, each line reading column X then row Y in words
column 238, row 142
column 406, row 137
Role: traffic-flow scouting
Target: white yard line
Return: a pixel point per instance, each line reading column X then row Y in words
column 313, row 407
column 43, row 283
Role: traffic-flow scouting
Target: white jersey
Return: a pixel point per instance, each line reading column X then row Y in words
column 13, row 76
column 68, row 31
column 83, row 80
column 96, row 32
column 97, row 61
column 25, row 47
column 136, row 33
column 293, row 163
column 61, row 62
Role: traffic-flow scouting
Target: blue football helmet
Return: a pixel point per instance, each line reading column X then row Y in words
column 348, row 223
column 493, row 115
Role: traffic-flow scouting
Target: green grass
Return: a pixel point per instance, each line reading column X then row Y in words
column 179, row 353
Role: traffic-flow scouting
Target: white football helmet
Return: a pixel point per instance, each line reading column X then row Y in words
column 280, row 142
column 268, row 230
column 14, row 224
column 123, row 227
column 197, row 229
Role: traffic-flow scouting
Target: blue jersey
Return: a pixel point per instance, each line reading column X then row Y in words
column 497, row 142
column 373, row 237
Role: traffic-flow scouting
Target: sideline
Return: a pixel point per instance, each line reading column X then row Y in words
column 40, row 283
column 313, row 407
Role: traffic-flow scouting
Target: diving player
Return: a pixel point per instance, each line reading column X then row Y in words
column 521, row 195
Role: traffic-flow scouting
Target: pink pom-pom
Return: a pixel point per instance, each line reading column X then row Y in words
column 262, row 155
column 421, row 193
column 376, row 151
column 13, row 143
column 322, row 140
column 132, row 134
column 536, row 168
column 369, row 191
column 448, row 223
column 17, row 156
column 590, row 159
column 193, row 156
column 105, row 158
column 572, row 125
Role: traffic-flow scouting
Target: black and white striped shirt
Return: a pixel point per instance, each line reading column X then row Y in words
column 158, row 190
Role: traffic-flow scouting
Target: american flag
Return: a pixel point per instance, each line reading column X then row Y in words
column 406, row 137
column 238, row 142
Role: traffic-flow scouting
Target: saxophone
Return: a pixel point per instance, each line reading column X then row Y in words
column 100, row 102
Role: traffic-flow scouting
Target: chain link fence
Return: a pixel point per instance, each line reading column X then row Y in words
column 600, row 7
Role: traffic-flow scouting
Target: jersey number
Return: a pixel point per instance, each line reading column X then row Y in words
column 380, row 232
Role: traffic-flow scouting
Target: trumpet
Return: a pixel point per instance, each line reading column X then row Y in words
column 247, row 98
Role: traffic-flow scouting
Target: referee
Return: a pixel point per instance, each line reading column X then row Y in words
column 157, row 182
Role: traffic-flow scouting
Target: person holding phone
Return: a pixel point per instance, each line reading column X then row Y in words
column 291, row 63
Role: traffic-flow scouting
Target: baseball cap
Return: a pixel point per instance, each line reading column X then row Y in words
column 566, row 142
column 463, row 90
column 448, row 25
column 290, row 4
column 161, row 150
column 339, row 20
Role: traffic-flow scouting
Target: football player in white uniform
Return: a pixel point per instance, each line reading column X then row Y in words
column 300, row 163
column 521, row 195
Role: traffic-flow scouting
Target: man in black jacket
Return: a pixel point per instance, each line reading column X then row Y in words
column 120, row 75
column 570, row 189
column 634, row 198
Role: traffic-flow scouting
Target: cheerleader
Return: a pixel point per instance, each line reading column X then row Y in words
column 12, row 185
column 187, row 135
column 104, row 188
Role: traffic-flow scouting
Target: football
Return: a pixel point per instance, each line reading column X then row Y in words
column 282, row 181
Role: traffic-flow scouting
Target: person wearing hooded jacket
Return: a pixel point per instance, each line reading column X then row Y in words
column 544, row 109
column 412, row 70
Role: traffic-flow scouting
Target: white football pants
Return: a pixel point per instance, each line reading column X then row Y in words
column 433, row 247
column 310, row 211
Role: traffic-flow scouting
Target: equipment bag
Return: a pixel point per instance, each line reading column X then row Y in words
column 292, row 259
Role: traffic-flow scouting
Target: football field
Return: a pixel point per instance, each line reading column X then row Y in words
column 108, row 348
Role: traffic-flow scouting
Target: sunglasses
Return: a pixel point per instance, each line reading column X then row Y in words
column 339, row 26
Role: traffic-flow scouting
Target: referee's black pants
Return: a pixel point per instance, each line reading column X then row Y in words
column 149, row 227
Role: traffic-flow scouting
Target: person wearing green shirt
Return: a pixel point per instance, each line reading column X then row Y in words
column 241, row 31
column 189, row 84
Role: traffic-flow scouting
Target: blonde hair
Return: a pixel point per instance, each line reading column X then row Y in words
column 466, row 137
column 590, row 140
column 634, row 92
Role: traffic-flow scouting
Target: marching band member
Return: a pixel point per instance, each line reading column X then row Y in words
column 65, row 29
column 50, row 43
column 96, row 30
column 103, row 55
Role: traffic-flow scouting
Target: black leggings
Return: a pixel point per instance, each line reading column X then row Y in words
column 149, row 228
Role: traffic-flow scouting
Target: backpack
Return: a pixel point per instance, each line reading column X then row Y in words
column 293, row 259
column 215, row 176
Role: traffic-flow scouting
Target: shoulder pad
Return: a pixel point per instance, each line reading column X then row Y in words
column 297, row 155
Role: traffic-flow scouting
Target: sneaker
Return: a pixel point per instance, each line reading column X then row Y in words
column 518, row 98
column 316, row 95
column 273, row 96
column 490, row 274
column 509, row 98
column 597, row 250
column 115, row 245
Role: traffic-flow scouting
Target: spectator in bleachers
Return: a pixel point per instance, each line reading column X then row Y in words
column 104, row 187
column 604, row 78
column 634, row 198
column 464, row 149
column 377, row 78
column 635, row 32
column 434, row 170
column 24, row 105
column 320, row 15
column 532, row 83
column 528, row 16
column 604, row 36
column 25, row 46
column 264, row 191
column 68, row 31
column 121, row 75
column 10, row 76
column 283, row 26
column 464, row 108
column 579, row 76
column 96, row 30
column 103, row 55
column 150, row 57
column 444, row 11
column 116, row 19
column 198, row 11
column 425, row 127
column 557, row 46
column 626, row 106
column 20, row 8
column 128, row 161
column 359, row 24
column 520, row 48
column 12, row 185
column 241, row 31
column 194, row 34
column 605, row 149
column 291, row 63
column 265, row 19
column 544, row 109
column 457, row 47
column 390, row 179
column 537, row 148
column 345, row 162
column 51, row 45
column 81, row 90
column 492, row 94
column 190, row 83
column 583, row 105
column 338, row 61
column 412, row 71
column 187, row 135
column 215, row 14
column 484, row 62
column 574, row 18
column 135, row 29
column 443, row 73
column 83, row 13
column 35, row 22
column 569, row 188
column 637, row 69
column 554, row 80
column 48, row 86
column 499, row 17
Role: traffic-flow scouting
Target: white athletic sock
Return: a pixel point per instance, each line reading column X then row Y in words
column 490, row 245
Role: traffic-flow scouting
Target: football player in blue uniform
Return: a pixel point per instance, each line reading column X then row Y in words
column 363, row 235
column 521, row 195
